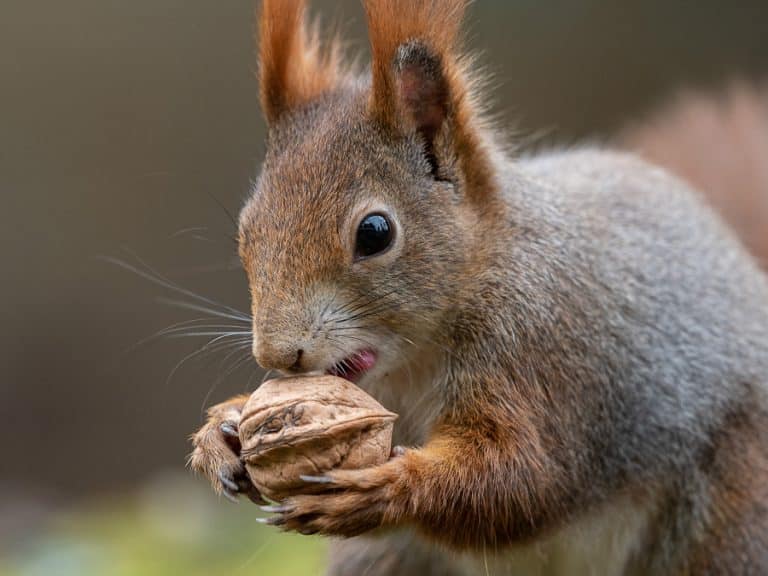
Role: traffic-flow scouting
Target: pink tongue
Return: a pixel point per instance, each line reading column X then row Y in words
column 364, row 361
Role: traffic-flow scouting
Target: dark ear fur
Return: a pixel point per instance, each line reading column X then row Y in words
column 423, row 92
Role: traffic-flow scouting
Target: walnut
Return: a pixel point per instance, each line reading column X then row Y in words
column 309, row 425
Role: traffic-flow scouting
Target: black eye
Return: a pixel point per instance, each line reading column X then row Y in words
column 374, row 235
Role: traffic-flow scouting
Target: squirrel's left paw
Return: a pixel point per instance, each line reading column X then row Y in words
column 216, row 453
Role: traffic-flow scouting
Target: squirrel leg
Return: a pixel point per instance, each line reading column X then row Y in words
column 399, row 553
column 216, row 452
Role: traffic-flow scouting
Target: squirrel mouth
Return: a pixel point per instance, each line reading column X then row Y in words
column 353, row 367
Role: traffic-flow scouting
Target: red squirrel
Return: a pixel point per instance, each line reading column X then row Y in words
column 576, row 344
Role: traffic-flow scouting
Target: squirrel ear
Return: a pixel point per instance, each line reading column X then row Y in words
column 293, row 66
column 412, row 46
column 420, row 82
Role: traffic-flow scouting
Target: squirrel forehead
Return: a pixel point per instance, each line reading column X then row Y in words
column 308, row 185
column 321, row 161
column 330, row 144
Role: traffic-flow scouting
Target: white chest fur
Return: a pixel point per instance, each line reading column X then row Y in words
column 413, row 392
column 602, row 543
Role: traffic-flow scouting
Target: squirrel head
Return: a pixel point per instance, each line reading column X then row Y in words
column 361, row 227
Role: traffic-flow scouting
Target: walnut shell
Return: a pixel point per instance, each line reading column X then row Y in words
column 309, row 425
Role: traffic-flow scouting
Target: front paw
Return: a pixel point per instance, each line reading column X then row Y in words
column 216, row 454
column 351, row 502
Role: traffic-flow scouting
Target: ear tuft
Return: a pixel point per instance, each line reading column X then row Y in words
column 294, row 67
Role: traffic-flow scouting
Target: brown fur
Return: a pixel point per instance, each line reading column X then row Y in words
column 735, row 534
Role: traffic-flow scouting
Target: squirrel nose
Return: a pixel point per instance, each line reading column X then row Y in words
column 278, row 356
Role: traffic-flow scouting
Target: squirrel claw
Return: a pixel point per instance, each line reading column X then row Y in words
column 397, row 451
column 255, row 497
column 230, row 496
column 229, row 484
column 317, row 479
column 233, row 487
column 281, row 509
column 271, row 521
column 231, row 436
column 229, row 488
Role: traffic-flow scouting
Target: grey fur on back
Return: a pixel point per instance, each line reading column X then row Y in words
column 643, row 316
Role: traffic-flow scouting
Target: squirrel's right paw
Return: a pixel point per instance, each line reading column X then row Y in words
column 216, row 453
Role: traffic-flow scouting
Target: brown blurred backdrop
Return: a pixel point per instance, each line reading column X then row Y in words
column 129, row 128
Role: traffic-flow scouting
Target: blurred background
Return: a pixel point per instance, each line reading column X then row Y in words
column 131, row 131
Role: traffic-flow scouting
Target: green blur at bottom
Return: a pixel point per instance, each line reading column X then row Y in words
column 175, row 526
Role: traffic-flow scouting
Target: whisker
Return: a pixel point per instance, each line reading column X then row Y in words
column 349, row 308
column 199, row 334
column 360, row 301
column 354, row 304
column 348, row 328
column 232, row 353
column 160, row 332
column 254, row 373
column 226, row 211
column 237, row 364
column 222, row 339
column 155, row 277
column 336, row 343
column 266, row 376
column 205, row 323
column 188, row 230
column 191, row 330
column 207, row 347
column 328, row 303
column 185, row 328
column 359, row 339
column 377, row 309
column 238, row 316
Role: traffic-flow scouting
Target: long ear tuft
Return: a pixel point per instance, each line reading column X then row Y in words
column 294, row 67
column 421, row 85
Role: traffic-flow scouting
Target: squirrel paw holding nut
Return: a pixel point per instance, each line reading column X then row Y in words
column 350, row 502
column 216, row 452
